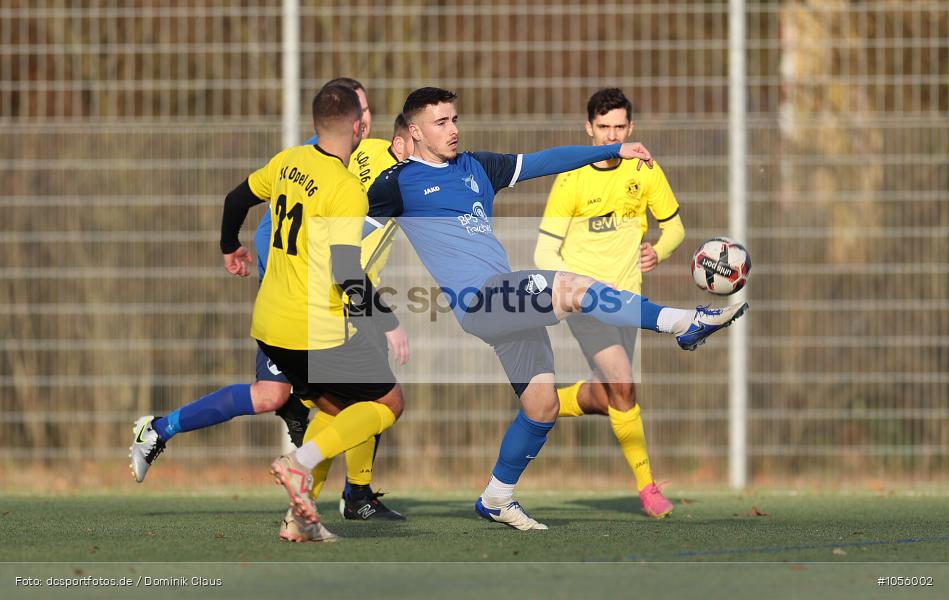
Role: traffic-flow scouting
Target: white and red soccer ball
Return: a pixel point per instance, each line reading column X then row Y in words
column 721, row 266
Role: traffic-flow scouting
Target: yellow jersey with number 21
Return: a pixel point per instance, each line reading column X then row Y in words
column 315, row 203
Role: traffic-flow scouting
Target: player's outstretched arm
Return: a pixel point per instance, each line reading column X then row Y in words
column 236, row 204
column 567, row 158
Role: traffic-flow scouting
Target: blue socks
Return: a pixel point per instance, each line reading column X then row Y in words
column 521, row 444
column 217, row 407
column 620, row 308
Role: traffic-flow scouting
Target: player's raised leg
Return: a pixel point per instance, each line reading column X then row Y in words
column 151, row 434
column 579, row 294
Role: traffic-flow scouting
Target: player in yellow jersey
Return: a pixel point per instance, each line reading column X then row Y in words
column 594, row 224
column 359, row 501
column 314, row 288
column 271, row 389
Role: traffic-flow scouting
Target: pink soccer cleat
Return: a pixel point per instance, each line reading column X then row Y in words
column 654, row 503
column 298, row 482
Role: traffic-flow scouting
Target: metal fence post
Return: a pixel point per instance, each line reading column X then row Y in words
column 737, row 224
column 291, row 96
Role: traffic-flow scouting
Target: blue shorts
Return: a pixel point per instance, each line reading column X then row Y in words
column 512, row 314
column 267, row 370
column 524, row 355
column 511, row 302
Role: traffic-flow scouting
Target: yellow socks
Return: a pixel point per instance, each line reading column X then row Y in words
column 358, row 458
column 359, row 462
column 352, row 426
column 569, row 403
column 628, row 427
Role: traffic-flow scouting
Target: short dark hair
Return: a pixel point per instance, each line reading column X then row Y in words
column 334, row 103
column 426, row 96
column 400, row 127
column 348, row 82
column 606, row 100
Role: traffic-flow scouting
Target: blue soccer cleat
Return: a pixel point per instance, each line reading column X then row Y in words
column 706, row 322
column 511, row 515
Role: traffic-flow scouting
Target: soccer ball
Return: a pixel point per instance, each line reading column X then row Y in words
column 721, row 266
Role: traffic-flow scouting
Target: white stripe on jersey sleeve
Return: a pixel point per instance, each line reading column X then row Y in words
column 517, row 170
column 374, row 223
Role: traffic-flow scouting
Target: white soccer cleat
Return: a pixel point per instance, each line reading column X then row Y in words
column 145, row 448
column 295, row 529
column 705, row 322
column 511, row 515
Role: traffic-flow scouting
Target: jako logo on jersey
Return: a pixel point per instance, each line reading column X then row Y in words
column 432, row 190
column 272, row 367
column 471, row 184
column 476, row 221
column 536, row 284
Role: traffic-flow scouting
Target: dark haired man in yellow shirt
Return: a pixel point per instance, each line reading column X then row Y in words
column 594, row 224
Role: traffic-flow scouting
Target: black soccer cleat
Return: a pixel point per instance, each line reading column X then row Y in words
column 363, row 504
column 297, row 418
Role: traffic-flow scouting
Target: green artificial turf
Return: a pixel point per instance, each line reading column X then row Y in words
column 707, row 529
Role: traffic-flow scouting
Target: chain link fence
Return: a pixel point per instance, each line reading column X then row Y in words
column 123, row 126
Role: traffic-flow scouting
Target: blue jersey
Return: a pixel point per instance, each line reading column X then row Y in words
column 262, row 243
column 446, row 210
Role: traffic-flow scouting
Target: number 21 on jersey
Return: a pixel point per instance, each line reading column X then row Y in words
column 295, row 216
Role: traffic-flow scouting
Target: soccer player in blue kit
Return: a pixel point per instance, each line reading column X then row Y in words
column 443, row 200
